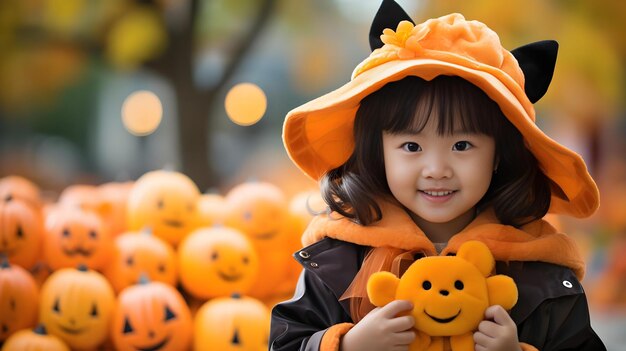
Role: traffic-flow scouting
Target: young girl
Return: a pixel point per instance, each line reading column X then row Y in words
column 431, row 144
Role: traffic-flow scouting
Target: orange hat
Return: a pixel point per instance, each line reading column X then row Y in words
column 318, row 135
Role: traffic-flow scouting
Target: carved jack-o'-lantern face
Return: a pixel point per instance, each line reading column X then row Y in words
column 230, row 324
column 74, row 237
column 21, row 232
column 166, row 202
column 76, row 305
column 259, row 210
column 141, row 254
column 151, row 316
column 222, row 256
column 18, row 299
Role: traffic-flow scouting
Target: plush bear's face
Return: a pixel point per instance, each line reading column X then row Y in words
column 449, row 295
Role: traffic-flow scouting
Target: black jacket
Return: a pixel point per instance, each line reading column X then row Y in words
column 551, row 312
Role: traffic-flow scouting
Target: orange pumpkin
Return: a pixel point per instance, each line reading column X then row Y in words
column 21, row 188
column 82, row 196
column 211, row 210
column 141, row 254
column 114, row 197
column 77, row 305
column 260, row 210
column 232, row 324
column 151, row 316
column 166, row 202
column 21, row 232
column 217, row 262
column 74, row 237
column 18, row 299
column 36, row 339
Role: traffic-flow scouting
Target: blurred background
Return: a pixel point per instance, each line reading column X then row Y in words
column 97, row 91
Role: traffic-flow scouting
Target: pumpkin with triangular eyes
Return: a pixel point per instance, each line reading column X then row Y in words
column 217, row 261
column 36, row 339
column 151, row 316
column 232, row 324
column 141, row 253
column 74, row 237
column 165, row 202
column 19, row 295
column 77, row 306
column 21, row 231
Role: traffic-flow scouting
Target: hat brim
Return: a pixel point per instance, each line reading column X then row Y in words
column 318, row 135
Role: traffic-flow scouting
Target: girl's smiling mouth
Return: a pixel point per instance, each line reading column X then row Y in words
column 439, row 195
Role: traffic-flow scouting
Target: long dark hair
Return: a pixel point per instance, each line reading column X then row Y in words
column 519, row 192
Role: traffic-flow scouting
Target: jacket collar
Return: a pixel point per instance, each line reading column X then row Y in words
column 536, row 241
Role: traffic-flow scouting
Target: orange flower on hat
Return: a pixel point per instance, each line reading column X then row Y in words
column 406, row 38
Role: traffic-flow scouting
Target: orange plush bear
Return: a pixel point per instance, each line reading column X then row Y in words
column 449, row 295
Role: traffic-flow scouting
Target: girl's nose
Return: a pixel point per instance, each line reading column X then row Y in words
column 437, row 168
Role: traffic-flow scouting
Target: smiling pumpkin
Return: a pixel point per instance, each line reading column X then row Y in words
column 449, row 294
column 165, row 202
column 76, row 237
column 151, row 316
column 221, row 255
column 76, row 305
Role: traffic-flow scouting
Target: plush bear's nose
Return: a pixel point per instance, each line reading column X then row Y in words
column 444, row 292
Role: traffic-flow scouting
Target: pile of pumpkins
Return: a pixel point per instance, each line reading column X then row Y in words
column 152, row 264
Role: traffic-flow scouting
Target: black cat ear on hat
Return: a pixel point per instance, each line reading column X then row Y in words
column 537, row 60
column 389, row 15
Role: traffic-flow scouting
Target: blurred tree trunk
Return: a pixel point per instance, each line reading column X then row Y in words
column 196, row 104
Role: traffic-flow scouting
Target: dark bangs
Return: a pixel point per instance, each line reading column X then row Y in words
column 458, row 106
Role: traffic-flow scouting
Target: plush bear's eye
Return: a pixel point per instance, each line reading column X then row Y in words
column 459, row 285
column 426, row 285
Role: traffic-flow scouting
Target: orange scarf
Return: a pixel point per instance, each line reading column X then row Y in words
column 396, row 234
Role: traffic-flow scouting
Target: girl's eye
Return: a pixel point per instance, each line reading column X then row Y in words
column 411, row 147
column 462, row 146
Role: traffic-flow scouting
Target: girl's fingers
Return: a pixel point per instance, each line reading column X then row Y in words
column 401, row 323
column 498, row 314
column 488, row 328
column 481, row 339
column 393, row 308
column 405, row 337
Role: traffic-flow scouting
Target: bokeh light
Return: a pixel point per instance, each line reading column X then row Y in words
column 245, row 104
column 142, row 112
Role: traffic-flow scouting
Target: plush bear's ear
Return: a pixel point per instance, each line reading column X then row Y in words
column 477, row 254
column 502, row 291
column 388, row 16
column 537, row 61
column 381, row 288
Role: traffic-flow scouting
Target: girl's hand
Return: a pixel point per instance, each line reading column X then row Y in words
column 382, row 329
column 497, row 332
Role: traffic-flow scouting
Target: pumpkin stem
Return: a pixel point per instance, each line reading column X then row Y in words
column 4, row 261
column 40, row 329
column 82, row 267
column 144, row 279
column 8, row 198
column 235, row 295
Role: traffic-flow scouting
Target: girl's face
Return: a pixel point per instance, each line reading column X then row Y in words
column 439, row 178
